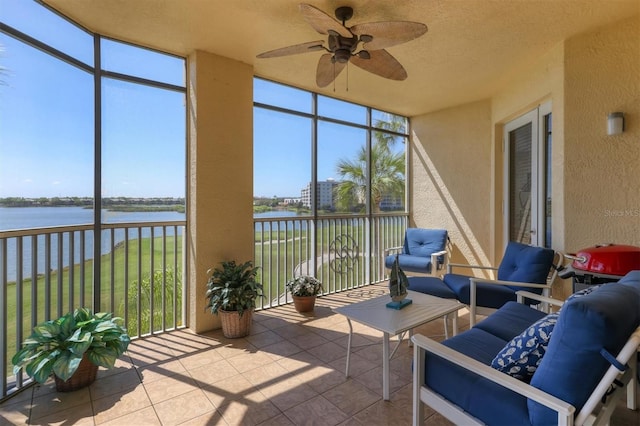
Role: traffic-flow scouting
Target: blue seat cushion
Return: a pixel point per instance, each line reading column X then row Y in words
column 510, row 320
column 521, row 355
column 431, row 285
column 424, row 242
column 474, row 394
column 410, row 263
column 573, row 365
column 487, row 295
column 525, row 264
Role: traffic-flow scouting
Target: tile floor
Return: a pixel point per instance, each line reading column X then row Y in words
column 289, row 371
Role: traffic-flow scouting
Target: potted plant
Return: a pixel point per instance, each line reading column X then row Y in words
column 232, row 290
column 304, row 290
column 72, row 347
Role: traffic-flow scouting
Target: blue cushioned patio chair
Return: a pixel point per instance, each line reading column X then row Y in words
column 523, row 267
column 425, row 251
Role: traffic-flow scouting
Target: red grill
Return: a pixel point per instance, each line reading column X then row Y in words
column 602, row 264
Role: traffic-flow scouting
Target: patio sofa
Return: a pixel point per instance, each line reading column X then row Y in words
column 526, row 367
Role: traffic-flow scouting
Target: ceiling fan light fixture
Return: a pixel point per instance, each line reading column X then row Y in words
column 342, row 55
column 363, row 54
column 365, row 38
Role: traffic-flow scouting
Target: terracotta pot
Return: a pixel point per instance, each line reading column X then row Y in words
column 304, row 303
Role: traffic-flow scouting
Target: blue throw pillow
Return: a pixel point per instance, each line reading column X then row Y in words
column 522, row 355
column 583, row 292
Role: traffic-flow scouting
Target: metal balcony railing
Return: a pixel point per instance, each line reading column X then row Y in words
column 47, row 272
column 343, row 251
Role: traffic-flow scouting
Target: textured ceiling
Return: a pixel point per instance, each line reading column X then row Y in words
column 472, row 48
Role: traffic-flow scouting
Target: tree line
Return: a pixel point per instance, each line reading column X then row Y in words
column 88, row 201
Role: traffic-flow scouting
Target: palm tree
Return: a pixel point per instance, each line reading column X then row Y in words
column 387, row 173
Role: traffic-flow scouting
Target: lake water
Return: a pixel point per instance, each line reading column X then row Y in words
column 12, row 218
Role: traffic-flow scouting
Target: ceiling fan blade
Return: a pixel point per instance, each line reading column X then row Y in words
column 381, row 63
column 322, row 22
column 293, row 50
column 390, row 33
column 328, row 70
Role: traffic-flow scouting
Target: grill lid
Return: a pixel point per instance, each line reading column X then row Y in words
column 609, row 259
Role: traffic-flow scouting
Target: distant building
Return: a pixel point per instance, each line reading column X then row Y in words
column 324, row 194
column 391, row 203
column 289, row 201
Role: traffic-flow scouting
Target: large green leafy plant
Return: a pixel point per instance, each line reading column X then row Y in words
column 233, row 287
column 58, row 345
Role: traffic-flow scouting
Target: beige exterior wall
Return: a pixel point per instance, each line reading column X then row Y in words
column 457, row 163
column 220, row 160
column 602, row 173
column 451, row 177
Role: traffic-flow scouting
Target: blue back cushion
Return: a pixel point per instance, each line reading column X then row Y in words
column 526, row 264
column 573, row 365
column 423, row 242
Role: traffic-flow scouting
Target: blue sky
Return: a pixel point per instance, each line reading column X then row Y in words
column 47, row 125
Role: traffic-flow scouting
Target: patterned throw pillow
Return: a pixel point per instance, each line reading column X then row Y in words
column 522, row 355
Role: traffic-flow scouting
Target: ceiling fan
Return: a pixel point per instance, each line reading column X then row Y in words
column 363, row 44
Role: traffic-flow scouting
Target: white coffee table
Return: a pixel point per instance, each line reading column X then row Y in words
column 391, row 322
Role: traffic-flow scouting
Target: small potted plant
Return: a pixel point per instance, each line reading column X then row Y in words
column 232, row 290
column 72, row 347
column 304, row 290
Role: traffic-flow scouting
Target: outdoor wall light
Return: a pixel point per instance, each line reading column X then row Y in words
column 615, row 123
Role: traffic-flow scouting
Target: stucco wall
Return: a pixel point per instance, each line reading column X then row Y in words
column 602, row 173
column 220, row 211
column 542, row 82
column 451, row 176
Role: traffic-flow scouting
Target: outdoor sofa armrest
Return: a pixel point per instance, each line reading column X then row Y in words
column 473, row 291
column 434, row 259
column 390, row 249
column 549, row 300
column 421, row 344
column 450, row 267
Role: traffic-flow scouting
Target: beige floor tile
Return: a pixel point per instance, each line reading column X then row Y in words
column 283, row 348
column 317, row 411
column 249, row 361
column 54, row 402
column 309, row 340
column 267, row 375
column 170, row 387
column 372, row 379
column 263, row 339
column 144, row 417
column 232, row 388
column 234, row 348
column 208, row 419
column 383, row 413
column 81, row 415
column 115, row 383
column 212, row 373
column 288, row 393
column 351, row 397
column 184, row 407
column 279, row 420
column 357, row 364
column 247, row 414
column 199, row 358
column 327, row 352
column 15, row 412
column 118, row 405
column 161, row 370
